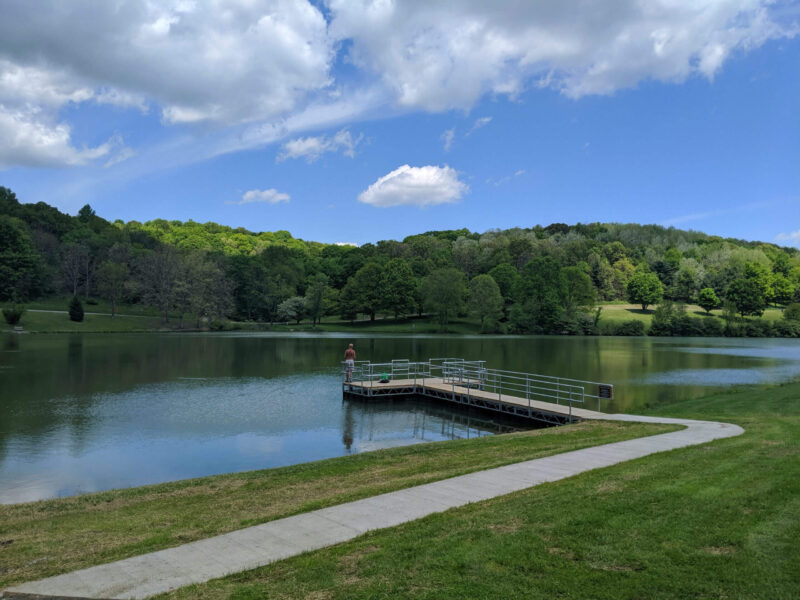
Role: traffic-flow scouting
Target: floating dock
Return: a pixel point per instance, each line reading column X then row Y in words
column 543, row 398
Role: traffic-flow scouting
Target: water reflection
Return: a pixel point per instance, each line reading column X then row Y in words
column 92, row 412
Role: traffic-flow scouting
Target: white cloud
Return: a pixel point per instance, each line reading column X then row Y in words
column 270, row 196
column 482, row 122
column 311, row 148
column 30, row 138
column 223, row 63
column 255, row 71
column 418, row 186
column 444, row 55
column 447, row 137
column 791, row 238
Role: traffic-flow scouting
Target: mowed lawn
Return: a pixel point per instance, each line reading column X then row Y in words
column 721, row 520
column 59, row 322
column 39, row 539
column 627, row 312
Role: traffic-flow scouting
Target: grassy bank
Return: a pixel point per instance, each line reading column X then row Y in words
column 55, row 536
column 58, row 322
column 720, row 520
column 616, row 312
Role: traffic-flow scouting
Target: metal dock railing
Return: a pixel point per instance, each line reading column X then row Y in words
column 542, row 397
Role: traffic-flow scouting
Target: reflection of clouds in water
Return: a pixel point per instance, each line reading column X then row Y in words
column 780, row 360
column 724, row 377
column 779, row 351
column 255, row 445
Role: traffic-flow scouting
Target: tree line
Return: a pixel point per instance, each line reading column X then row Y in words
column 521, row 280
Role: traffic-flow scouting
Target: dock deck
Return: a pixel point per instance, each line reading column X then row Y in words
column 542, row 398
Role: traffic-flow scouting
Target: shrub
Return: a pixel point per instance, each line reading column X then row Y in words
column 792, row 312
column 712, row 327
column 13, row 314
column 758, row 328
column 91, row 302
column 632, row 327
column 75, row 310
column 787, row 328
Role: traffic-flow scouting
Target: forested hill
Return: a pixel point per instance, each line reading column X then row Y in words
column 543, row 274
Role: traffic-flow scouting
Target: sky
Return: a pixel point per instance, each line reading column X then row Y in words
column 353, row 121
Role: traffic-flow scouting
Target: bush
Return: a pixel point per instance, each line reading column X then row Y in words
column 91, row 302
column 75, row 310
column 758, row 328
column 787, row 328
column 632, row 327
column 792, row 312
column 13, row 314
column 712, row 327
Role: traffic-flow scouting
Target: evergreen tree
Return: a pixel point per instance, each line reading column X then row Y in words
column 75, row 310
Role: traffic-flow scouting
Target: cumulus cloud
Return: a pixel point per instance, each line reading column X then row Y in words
column 270, row 196
column 444, row 55
column 792, row 238
column 269, row 65
column 311, row 148
column 418, row 186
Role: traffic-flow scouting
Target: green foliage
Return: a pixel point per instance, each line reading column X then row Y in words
column 318, row 297
column 707, row 299
column 645, row 289
column 12, row 314
column 792, row 312
column 21, row 269
column 399, row 287
column 443, row 292
column 75, row 310
column 505, row 275
column 486, row 302
column 213, row 272
column 747, row 295
column 292, row 309
column 363, row 292
column 632, row 327
column 781, row 290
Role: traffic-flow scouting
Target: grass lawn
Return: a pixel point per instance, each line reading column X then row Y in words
column 626, row 312
column 425, row 324
column 721, row 520
column 44, row 538
column 52, row 322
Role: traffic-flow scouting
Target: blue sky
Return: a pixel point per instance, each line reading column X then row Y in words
column 351, row 121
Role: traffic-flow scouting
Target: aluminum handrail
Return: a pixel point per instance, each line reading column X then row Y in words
column 474, row 373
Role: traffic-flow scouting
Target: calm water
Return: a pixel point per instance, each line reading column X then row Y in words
column 81, row 413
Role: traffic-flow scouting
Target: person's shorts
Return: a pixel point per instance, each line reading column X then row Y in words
column 350, row 363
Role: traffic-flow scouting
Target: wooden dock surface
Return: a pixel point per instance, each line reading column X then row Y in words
column 466, row 393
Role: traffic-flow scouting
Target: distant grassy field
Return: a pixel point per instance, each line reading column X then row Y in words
column 616, row 312
column 58, row 322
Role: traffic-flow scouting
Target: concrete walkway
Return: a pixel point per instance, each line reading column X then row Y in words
column 200, row 561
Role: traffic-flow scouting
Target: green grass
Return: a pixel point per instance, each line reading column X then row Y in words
column 617, row 312
column 721, row 520
column 47, row 322
column 55, row 536
column 389, row 325
column 101, row 306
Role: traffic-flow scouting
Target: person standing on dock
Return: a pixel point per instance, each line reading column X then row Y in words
column 349, row 362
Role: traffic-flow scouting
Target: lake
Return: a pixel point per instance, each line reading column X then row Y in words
column 82, row 412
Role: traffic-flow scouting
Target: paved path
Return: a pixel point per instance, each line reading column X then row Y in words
column 200, row 561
